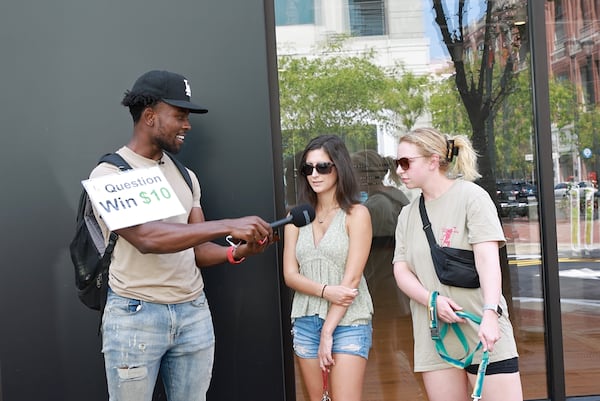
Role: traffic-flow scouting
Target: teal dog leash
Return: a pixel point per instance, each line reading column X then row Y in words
column 438, row 332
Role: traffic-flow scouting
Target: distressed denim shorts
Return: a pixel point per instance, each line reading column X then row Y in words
column 353, row 340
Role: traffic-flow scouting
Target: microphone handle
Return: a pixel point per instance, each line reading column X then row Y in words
column 281, row 222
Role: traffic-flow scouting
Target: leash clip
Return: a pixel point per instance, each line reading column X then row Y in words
column 435, row 333
column 433, row 326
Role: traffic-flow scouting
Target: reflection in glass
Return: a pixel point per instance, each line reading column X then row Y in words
column 369, row 71
column 575, row 54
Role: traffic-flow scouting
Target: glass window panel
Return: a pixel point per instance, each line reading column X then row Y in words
column 367, row 17
column 294, row 12
column 577, row 153
column 404, row 79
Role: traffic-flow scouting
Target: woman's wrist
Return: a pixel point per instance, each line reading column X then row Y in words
column 495, row 308
column 323, row 290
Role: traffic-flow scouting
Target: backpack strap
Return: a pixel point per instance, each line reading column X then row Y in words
column 183, row 170
column 116, row 160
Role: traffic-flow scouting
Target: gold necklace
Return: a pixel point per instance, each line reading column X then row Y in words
column 321, row 220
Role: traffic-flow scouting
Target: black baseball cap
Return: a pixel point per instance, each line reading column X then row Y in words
column 171, row 88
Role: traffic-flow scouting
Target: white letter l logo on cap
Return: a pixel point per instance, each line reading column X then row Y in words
column 188, row 89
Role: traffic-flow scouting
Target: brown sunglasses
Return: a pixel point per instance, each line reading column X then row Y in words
column 405, row 162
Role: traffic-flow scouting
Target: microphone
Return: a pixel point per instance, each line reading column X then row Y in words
column 300, row 216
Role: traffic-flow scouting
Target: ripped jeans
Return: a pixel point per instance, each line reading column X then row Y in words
column 353, row 340
column 140, row 338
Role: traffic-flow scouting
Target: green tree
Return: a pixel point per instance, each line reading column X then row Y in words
column 404, row 98
column 481, row 83
column 347, row 96
column 588, row 133
column 331, row 94
column 448, row 113
column 513, row 120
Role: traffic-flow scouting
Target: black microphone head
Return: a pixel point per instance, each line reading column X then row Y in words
column 302, row 215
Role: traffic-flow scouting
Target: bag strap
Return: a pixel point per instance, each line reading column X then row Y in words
column 325, row 380
column 438, row 333
column 426, row 223
column 116, row 160
column 183, row 170
column 104, row 266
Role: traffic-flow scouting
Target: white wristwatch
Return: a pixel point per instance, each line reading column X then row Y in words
column 495, row 307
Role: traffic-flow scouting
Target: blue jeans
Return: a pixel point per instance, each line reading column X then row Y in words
column 140, row 338
column 352, row 340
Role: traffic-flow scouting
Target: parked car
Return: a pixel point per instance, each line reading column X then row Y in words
column 512, row 196
column 582, row 187
column 561, row 189
column 527, row 192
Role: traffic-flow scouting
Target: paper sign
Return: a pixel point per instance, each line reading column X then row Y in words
column 133, row 197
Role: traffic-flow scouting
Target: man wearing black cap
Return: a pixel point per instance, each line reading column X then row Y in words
column 156, row 317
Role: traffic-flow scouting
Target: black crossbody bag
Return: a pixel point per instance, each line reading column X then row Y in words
column 453, row 266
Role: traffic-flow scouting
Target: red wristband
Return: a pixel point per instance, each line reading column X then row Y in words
column 230, row 257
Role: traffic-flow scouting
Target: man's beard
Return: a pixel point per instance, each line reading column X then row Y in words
column 168, row 146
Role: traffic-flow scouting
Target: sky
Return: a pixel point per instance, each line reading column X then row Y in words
column 438, row 50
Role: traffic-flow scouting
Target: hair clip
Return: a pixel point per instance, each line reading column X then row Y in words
column 451, row 150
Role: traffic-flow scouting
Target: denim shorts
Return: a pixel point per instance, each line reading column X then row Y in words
column 353, row 340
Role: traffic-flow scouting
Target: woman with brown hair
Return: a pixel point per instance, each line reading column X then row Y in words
column 323, row 263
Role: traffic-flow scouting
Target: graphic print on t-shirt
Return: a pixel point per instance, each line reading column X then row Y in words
column 447, row 236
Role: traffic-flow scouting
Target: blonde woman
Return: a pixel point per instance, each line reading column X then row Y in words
column 462, row 216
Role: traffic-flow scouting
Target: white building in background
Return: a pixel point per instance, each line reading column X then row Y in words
column 394, row 29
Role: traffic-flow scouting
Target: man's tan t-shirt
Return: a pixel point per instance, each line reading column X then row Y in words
column 160, row 278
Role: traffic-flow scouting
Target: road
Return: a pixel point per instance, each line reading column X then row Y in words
column 579, row 263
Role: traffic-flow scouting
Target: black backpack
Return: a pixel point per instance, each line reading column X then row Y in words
column 90, row 255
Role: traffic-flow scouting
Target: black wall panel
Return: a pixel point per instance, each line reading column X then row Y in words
column 65, row 66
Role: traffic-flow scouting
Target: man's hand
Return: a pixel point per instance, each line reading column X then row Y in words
column 251, row 229
column 252, row 248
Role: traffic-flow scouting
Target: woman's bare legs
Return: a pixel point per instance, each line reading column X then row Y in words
column 346, row 377
column 501, row 387
column 447, row 384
